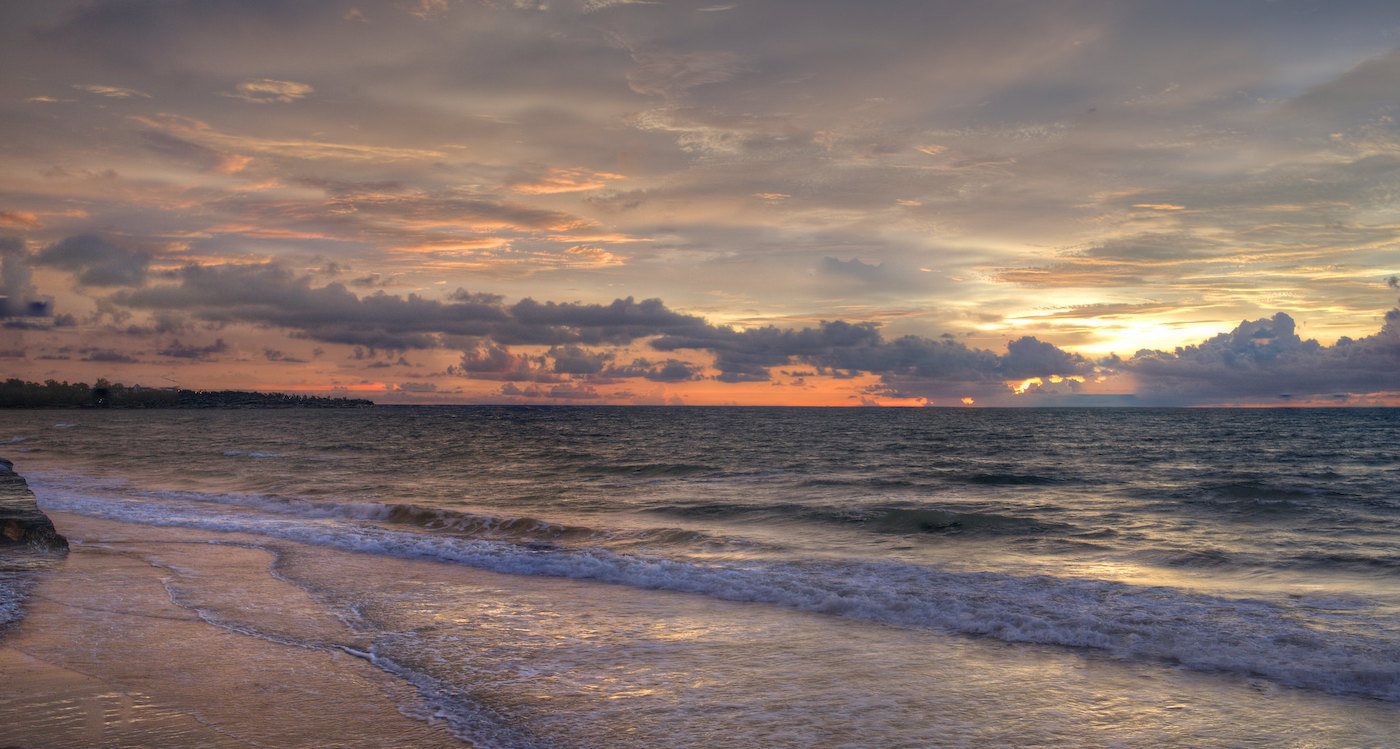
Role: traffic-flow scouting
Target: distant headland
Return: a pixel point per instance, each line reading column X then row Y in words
column 16, row 393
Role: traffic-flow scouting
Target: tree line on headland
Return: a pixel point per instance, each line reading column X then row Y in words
column 16, row 393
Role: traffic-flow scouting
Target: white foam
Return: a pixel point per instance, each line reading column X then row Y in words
column 14, row 588
column 1202, row 632
column 517, row 528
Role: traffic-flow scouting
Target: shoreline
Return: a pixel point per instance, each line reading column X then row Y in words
column 208, row 618
column 151, row 667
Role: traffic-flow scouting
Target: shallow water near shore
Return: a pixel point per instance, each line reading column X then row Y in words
column 764, row 577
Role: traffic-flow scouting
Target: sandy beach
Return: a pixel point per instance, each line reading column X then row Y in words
column 161, row 637
column 118, row 651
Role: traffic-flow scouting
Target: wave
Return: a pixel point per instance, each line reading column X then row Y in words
column 14, row 588
column 526, row 530
column 1197, row 631
column 867, row 483
column 250, row 454
column 896, row 519
column 1251, row 500
column 1008, row 479
column 18, row 570
column 1259, row 492
column 1197, row 558
column 1384, row 562
column 15, row 440
column 646, row 469
column 938, row 480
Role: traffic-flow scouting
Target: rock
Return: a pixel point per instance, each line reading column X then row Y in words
column 21, row 522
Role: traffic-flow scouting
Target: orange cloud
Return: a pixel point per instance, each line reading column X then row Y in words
column 20, row 220
column 233, row 163
column 1160, row 206
column 269, row 90
column 566, row 180
column 112, row 92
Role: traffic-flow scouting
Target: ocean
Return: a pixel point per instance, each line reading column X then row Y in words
column 706, row 577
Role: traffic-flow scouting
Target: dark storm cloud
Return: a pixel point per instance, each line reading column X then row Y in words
column 178, row 350
column 1260, row 358
column 1266, row 359
column 272, row 295
column 622, row 321
column 747, row 356
column 108, row 356
column 492, row 361
column 274, row 355
column 668, row 370
column 564, row 390
column 576, row 360
column 97, row 261
column 18, row 298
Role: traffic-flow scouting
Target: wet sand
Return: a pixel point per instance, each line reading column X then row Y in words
column 169, row 637
column 116, row 652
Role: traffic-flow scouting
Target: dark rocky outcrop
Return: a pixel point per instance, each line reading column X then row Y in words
column 21, row 522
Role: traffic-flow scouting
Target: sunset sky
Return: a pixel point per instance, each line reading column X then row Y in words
column 753, row 202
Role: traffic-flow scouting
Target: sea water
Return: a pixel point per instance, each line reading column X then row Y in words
column 659, row 577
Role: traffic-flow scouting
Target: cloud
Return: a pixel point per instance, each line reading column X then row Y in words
column 179, row 350
column 1133, row 259
column 108, row 356
column 202, row 157
column 576, row 360
column 18, row 297
column 112, row 92
column 270, row 91
column 1363, row 90
column 19, row 220
column 1259, row 359
column 897, row 275
column 558, row 180
column 620, row 322
column 426, row 9
column 272, row 295
column 274, row 355
column 492, row 361
column 668, row 370
column 1266, row 359
column 565, row 391
column 97, row 261
column 921, row 366
column 670, row 74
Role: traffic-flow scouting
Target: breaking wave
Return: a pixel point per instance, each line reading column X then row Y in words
column 894, row 519
column 1202, row 632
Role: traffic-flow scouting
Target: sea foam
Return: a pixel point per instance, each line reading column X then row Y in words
column 1351, row 655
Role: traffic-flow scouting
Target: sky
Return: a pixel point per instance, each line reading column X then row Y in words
column 752, row 202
